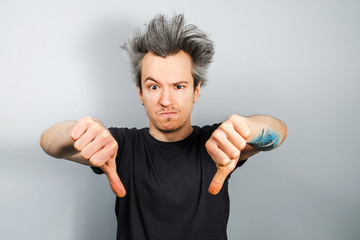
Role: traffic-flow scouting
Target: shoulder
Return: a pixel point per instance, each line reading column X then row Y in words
column 121, row 130
column 207, row 130
column 122, row 133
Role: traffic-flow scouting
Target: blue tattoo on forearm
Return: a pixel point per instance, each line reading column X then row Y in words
column 267, row 140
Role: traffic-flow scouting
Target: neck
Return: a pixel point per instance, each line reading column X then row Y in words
column 171, row 136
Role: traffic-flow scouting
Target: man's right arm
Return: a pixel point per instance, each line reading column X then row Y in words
column 57, row 142
column 88, row 142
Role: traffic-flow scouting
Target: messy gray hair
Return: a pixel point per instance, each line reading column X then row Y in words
column 165, row 37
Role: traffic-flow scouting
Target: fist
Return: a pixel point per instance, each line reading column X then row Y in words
column 94, row 141
column 224, row 147
column 96, row 144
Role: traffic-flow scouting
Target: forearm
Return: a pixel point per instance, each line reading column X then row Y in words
column 266, row 132
column 56, row 140
column 88, row 142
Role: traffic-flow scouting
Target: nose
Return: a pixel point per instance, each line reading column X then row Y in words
column 165, row 97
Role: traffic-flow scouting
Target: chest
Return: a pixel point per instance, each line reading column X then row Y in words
column 172, row 174
column 172, row 178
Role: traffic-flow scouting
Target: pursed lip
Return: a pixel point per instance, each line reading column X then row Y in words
column 167, row 113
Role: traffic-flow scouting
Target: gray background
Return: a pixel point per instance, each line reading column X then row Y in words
column 296, row 60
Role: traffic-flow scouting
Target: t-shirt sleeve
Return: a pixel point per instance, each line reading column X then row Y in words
column 240, row 163
column 119, row 135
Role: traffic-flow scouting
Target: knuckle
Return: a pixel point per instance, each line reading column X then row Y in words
column 239, row 144
column 218, row 135
column 223, row 162
column 95, row 162
column 98, row 129
column 105, row 134
column 77, row 146
column 229, row 168
column 242, row 145
column 208, row 143
column 114, row 146
column 225, row 125
column 235, row 155
column 84, row 155
column 233, row 117
column 96, row 126
column 210, row 146
column 86, row 119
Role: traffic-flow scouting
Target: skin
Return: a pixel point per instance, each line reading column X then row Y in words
column 85, row 141
column 168, row 95
column 236, row 139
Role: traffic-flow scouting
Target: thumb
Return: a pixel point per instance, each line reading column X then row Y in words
column 218, row 180
column 114, row 180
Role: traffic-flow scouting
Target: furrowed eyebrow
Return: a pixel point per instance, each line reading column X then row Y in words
column 175, row 83
column 180, row 82
column 150, row 79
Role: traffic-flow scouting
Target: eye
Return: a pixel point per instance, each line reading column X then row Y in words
column 154, row 87
column 179, row 87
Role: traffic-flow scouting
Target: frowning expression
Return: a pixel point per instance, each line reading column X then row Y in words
column 167, row 91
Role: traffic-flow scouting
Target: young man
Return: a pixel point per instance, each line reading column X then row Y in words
column 171, row 179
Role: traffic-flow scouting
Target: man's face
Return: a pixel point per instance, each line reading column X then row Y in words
column 168, row 91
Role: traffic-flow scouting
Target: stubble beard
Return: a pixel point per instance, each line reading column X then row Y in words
column 170, row 124
column 162, row 125
column 168, row 130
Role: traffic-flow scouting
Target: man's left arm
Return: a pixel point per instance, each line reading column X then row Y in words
column 239, row 138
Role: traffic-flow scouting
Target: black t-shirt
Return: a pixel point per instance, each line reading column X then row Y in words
column 167, row 188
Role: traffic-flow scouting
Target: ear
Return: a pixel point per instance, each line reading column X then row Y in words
column 197, row 93
column 140, row 94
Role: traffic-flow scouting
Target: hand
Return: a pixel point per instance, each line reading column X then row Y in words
column 224, row 147
column 95, row 143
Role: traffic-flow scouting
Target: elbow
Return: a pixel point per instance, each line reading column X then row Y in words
column 46, row 145
column 283, row 133
column 285, row 130
column 43, row 141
